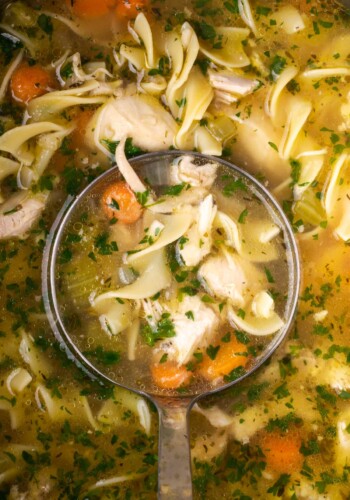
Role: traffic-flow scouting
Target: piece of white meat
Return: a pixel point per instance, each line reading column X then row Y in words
column 17, row 217
column 184, row 170
column 191, row 334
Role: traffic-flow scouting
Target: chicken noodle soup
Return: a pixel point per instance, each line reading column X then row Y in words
column 263, row 83
column 179, row 287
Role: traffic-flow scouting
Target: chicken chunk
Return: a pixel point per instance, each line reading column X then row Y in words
column 197, row 241
column 195, row 175
column 232, row 83
column 228, row 276
column 140, row 117
column 193, row 331
column 15, row 222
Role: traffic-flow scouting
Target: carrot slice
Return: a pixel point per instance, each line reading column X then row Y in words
column 118, row 201
column 82, row 121
column 305, row 6
column 227, row 359
column 90, row 9
column 169, row 375
column 129, row 9
column 282, row 451
column 28, row 82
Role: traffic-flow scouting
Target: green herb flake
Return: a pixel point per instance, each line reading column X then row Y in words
column 142, row 197
column 279, row 485
column 176, row 190
column 207, row 299
column 232, row 186
column 263, row 11
column 164, row 358
column 276, row 67
column 310, row 448
column 212, row 351
column 198, row 356
column 232, row 6
column 107, row 358
column 242, row 216
column 273, row 146
column 114, row 204
column 269, row 276
column 242, row 337
column 281, row 391
column 45, row 23
column 226, row 338
column 235, row 374
column 189, row 315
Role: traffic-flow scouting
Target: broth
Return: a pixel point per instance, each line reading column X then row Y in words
column 280, row 111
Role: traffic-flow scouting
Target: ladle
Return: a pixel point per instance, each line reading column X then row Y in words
column 174, row 476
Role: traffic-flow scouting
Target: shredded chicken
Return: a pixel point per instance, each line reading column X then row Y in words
column 195, row 175
column 190, row 334
column 225, row 278
column 227, row 81
column 140, row 117
column 197, row 241
column 14, row 223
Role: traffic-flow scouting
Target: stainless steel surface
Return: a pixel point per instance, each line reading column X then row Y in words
column 174, row 453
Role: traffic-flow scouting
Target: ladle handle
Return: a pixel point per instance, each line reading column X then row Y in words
column 174, row 460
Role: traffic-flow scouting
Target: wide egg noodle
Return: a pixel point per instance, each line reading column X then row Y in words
column 18, row 380
column 246, row 14
column 254, row 325
column 289, row 19
column 38, row 364
column 143, row 30
column 175, row 226
column 114, row 316
column 254, row 241
column 231, row 54
column 46, row 146
column 49, row 105
column 196, row 97
column 71, row 403
column 271, row 103
column 297, row 112
column 9, row 72
column 182, row 49
column 255, row 135
column 8, row 167
column 204, row 141
column 110, row 413
column 135, row 56
column 336, row 201
column 145, row 286
column 14, row 141
column 140, row 57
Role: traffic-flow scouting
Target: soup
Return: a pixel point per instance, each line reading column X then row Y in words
column 183, row 284
column 263, row 84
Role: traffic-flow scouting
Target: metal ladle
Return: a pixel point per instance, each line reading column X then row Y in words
column 174, row 475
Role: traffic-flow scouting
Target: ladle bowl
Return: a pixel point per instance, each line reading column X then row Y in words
column 174, row 475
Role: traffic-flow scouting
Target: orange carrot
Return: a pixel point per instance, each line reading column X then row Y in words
column 28, row 82
column 90, row 9
column 82, row 121
column 128, row 9
column 305, row 5
column 282, row 451
column 118, row 201
column 169, row 375
column 227, row 359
